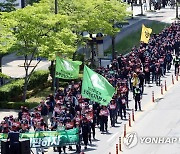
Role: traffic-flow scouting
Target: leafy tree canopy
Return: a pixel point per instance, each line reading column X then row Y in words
column 39, row 31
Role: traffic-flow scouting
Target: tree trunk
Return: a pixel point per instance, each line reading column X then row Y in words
column 25, row 86
column 52, row 72
column 74, row 56
column 113, row 47
column 1, row 79
column 27, row 76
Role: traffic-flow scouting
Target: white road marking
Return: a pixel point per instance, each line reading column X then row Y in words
column 112, row 137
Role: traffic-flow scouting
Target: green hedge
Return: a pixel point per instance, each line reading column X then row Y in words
column 38, row 79
column 4, row 76
column 17, row 105
column 13, row 91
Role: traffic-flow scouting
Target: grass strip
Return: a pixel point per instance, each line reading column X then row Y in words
column 127, row 43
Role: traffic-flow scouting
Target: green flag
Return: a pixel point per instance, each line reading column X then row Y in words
column 96, row 87
column 67, row 69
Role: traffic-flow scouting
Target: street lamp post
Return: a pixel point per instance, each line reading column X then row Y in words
column 149, row 4
column 141, row 7
column 22, row 3
column 56, row 7
column 55, row 81
column 132, row 8
column 177, row 16
column 91, row 43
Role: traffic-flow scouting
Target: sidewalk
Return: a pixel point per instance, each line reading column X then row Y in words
column 8, row 112
column 11, row 65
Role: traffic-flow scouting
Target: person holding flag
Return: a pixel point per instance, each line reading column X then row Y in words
column 145, row 34
column 96, row 88
column 67, row 69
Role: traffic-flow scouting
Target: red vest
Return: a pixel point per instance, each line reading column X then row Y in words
column 104, row 112
column 112, row 106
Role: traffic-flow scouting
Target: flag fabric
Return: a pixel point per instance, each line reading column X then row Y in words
column 67, row 69
column 96, row 87
column 49, row 138
column 145, row 34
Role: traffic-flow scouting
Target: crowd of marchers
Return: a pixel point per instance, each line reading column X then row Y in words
column 67, row 109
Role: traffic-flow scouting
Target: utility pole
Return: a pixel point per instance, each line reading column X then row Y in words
column 22, row 3
column 113, row 47
column 149, row 4
column 132, row 8
column 141, row 7
column 177, row 15
column 56, row 7
column 55, row 81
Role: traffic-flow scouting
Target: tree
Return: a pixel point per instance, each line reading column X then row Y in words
column 112, row 13
column 94, row 16
column 6, row 42
column 5, row 34
column 39, row 33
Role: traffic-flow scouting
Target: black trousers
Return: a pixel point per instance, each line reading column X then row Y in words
column 141, row 86
column 137, row 103
column 14, row 148
column 176, row 69
column 113, row 117
column 104, row 122
column 93, row 129
column 158, row 79
column 122, row 109
column 85, row 139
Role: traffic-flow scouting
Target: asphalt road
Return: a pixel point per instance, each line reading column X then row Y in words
column 163, row 120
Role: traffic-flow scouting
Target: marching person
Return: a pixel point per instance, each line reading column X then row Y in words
column 13, row 138
column 134, row 81
column 38, row 129
column 122, row 100
column 176, row 62
column 137, row 98
column 44, row 111
column 113, row 112
column 147, row 73
column 104, row 112
column 85, row 131
column 158, row 74
column 141, row 81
